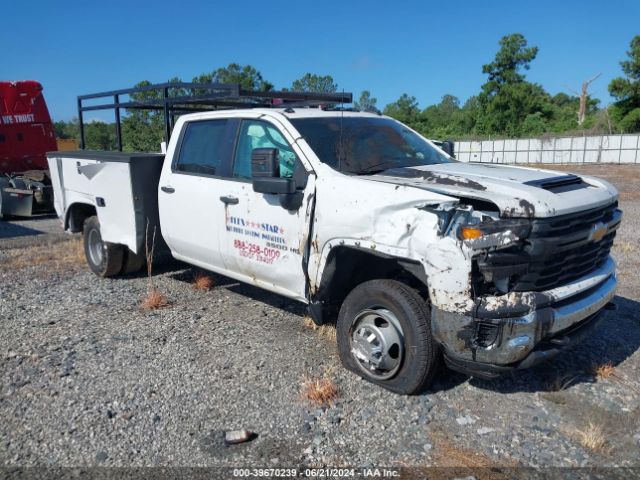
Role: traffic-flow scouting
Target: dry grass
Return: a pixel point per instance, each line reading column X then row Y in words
column 154, row 300
column 450, row 455
column 56, row 256
column 604, row 371
column 308, row 322
column 202, row 282
column 319, row 391
column 593, row 437
column 324, row 331
column 623, row 246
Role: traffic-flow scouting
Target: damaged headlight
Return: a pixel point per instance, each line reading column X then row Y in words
column 495, row 244
column 493, row 233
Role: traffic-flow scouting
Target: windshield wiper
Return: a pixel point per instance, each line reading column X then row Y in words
column 376, row 167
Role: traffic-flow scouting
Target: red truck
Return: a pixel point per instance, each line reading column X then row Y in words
column 26, row 135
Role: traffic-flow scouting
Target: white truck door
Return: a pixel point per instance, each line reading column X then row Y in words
column 264, row 242
column 191, row 184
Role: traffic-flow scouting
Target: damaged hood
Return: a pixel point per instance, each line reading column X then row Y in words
column 517, row 191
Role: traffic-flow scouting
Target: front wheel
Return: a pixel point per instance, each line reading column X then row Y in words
column 384, row 335
column 103, row 258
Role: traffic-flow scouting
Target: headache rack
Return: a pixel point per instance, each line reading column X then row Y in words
column 179, row 98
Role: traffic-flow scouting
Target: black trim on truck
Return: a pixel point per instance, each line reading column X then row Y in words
column 104, row 156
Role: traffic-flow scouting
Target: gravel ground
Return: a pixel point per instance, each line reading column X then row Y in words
column 89, row 378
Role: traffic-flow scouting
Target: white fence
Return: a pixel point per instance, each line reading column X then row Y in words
column 593, row 149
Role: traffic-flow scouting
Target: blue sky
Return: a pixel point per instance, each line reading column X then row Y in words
column 426, row 49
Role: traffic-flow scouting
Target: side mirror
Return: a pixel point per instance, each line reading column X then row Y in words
column 265, row 162
column 265, row 172
column 449, row 147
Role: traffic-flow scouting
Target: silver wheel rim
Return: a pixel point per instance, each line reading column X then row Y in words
column 377, row 343
column 95, row 247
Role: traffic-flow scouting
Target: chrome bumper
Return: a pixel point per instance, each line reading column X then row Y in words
column 504, row 332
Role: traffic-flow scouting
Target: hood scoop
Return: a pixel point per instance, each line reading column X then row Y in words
column 565, row 183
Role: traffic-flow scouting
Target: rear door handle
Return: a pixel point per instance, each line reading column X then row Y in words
column 229, row 200
column 167, row 189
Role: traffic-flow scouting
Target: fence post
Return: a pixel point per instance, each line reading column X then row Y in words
column 571, row 151
column 493, row 149
column 620, row 149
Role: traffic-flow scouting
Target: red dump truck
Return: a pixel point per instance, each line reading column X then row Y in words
column 26, row 134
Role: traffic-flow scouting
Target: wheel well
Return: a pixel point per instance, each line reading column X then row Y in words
column 348, row 267
column 77, row 214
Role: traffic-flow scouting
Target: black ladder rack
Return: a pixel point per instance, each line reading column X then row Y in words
column 201, row 97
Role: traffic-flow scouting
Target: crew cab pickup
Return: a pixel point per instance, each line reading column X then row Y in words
column 416, row 256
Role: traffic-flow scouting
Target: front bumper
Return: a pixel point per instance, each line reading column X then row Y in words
column 520, row 329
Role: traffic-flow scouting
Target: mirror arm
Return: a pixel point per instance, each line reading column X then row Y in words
column 292, row 201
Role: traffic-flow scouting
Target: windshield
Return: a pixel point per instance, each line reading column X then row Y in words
column 363, row 145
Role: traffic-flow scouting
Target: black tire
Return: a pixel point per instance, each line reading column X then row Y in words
column 132, row 263
column 108, row 261
column 420, row 358
column 4, row 183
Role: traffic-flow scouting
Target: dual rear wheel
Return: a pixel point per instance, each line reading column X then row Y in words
column 107, row 259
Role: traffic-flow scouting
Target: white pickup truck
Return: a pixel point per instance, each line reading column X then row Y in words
column 416, row 256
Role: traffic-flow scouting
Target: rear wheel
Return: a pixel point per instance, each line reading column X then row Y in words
column 4, row 183
column 103, row 258
column 384, row 335
column 132, row 262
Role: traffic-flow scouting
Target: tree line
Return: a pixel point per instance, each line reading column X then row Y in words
column 507, row 104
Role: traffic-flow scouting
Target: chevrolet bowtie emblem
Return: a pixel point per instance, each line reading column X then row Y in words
column 598, row 231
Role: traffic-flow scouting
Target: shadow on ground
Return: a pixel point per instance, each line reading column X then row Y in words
column 187, row 275
column 9, row 230
column 22, row 228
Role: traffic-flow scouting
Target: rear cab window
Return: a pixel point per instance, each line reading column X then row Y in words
column 205, row 146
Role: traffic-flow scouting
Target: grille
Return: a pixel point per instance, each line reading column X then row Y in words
column 561, row 248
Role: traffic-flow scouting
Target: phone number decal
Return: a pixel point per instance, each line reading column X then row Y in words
column 256, row 252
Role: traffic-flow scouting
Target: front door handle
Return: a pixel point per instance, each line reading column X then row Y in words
column 229, row 200
column 167, row 189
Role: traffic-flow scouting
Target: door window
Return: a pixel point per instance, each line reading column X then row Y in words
column 203, row 147
column 258, row 134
